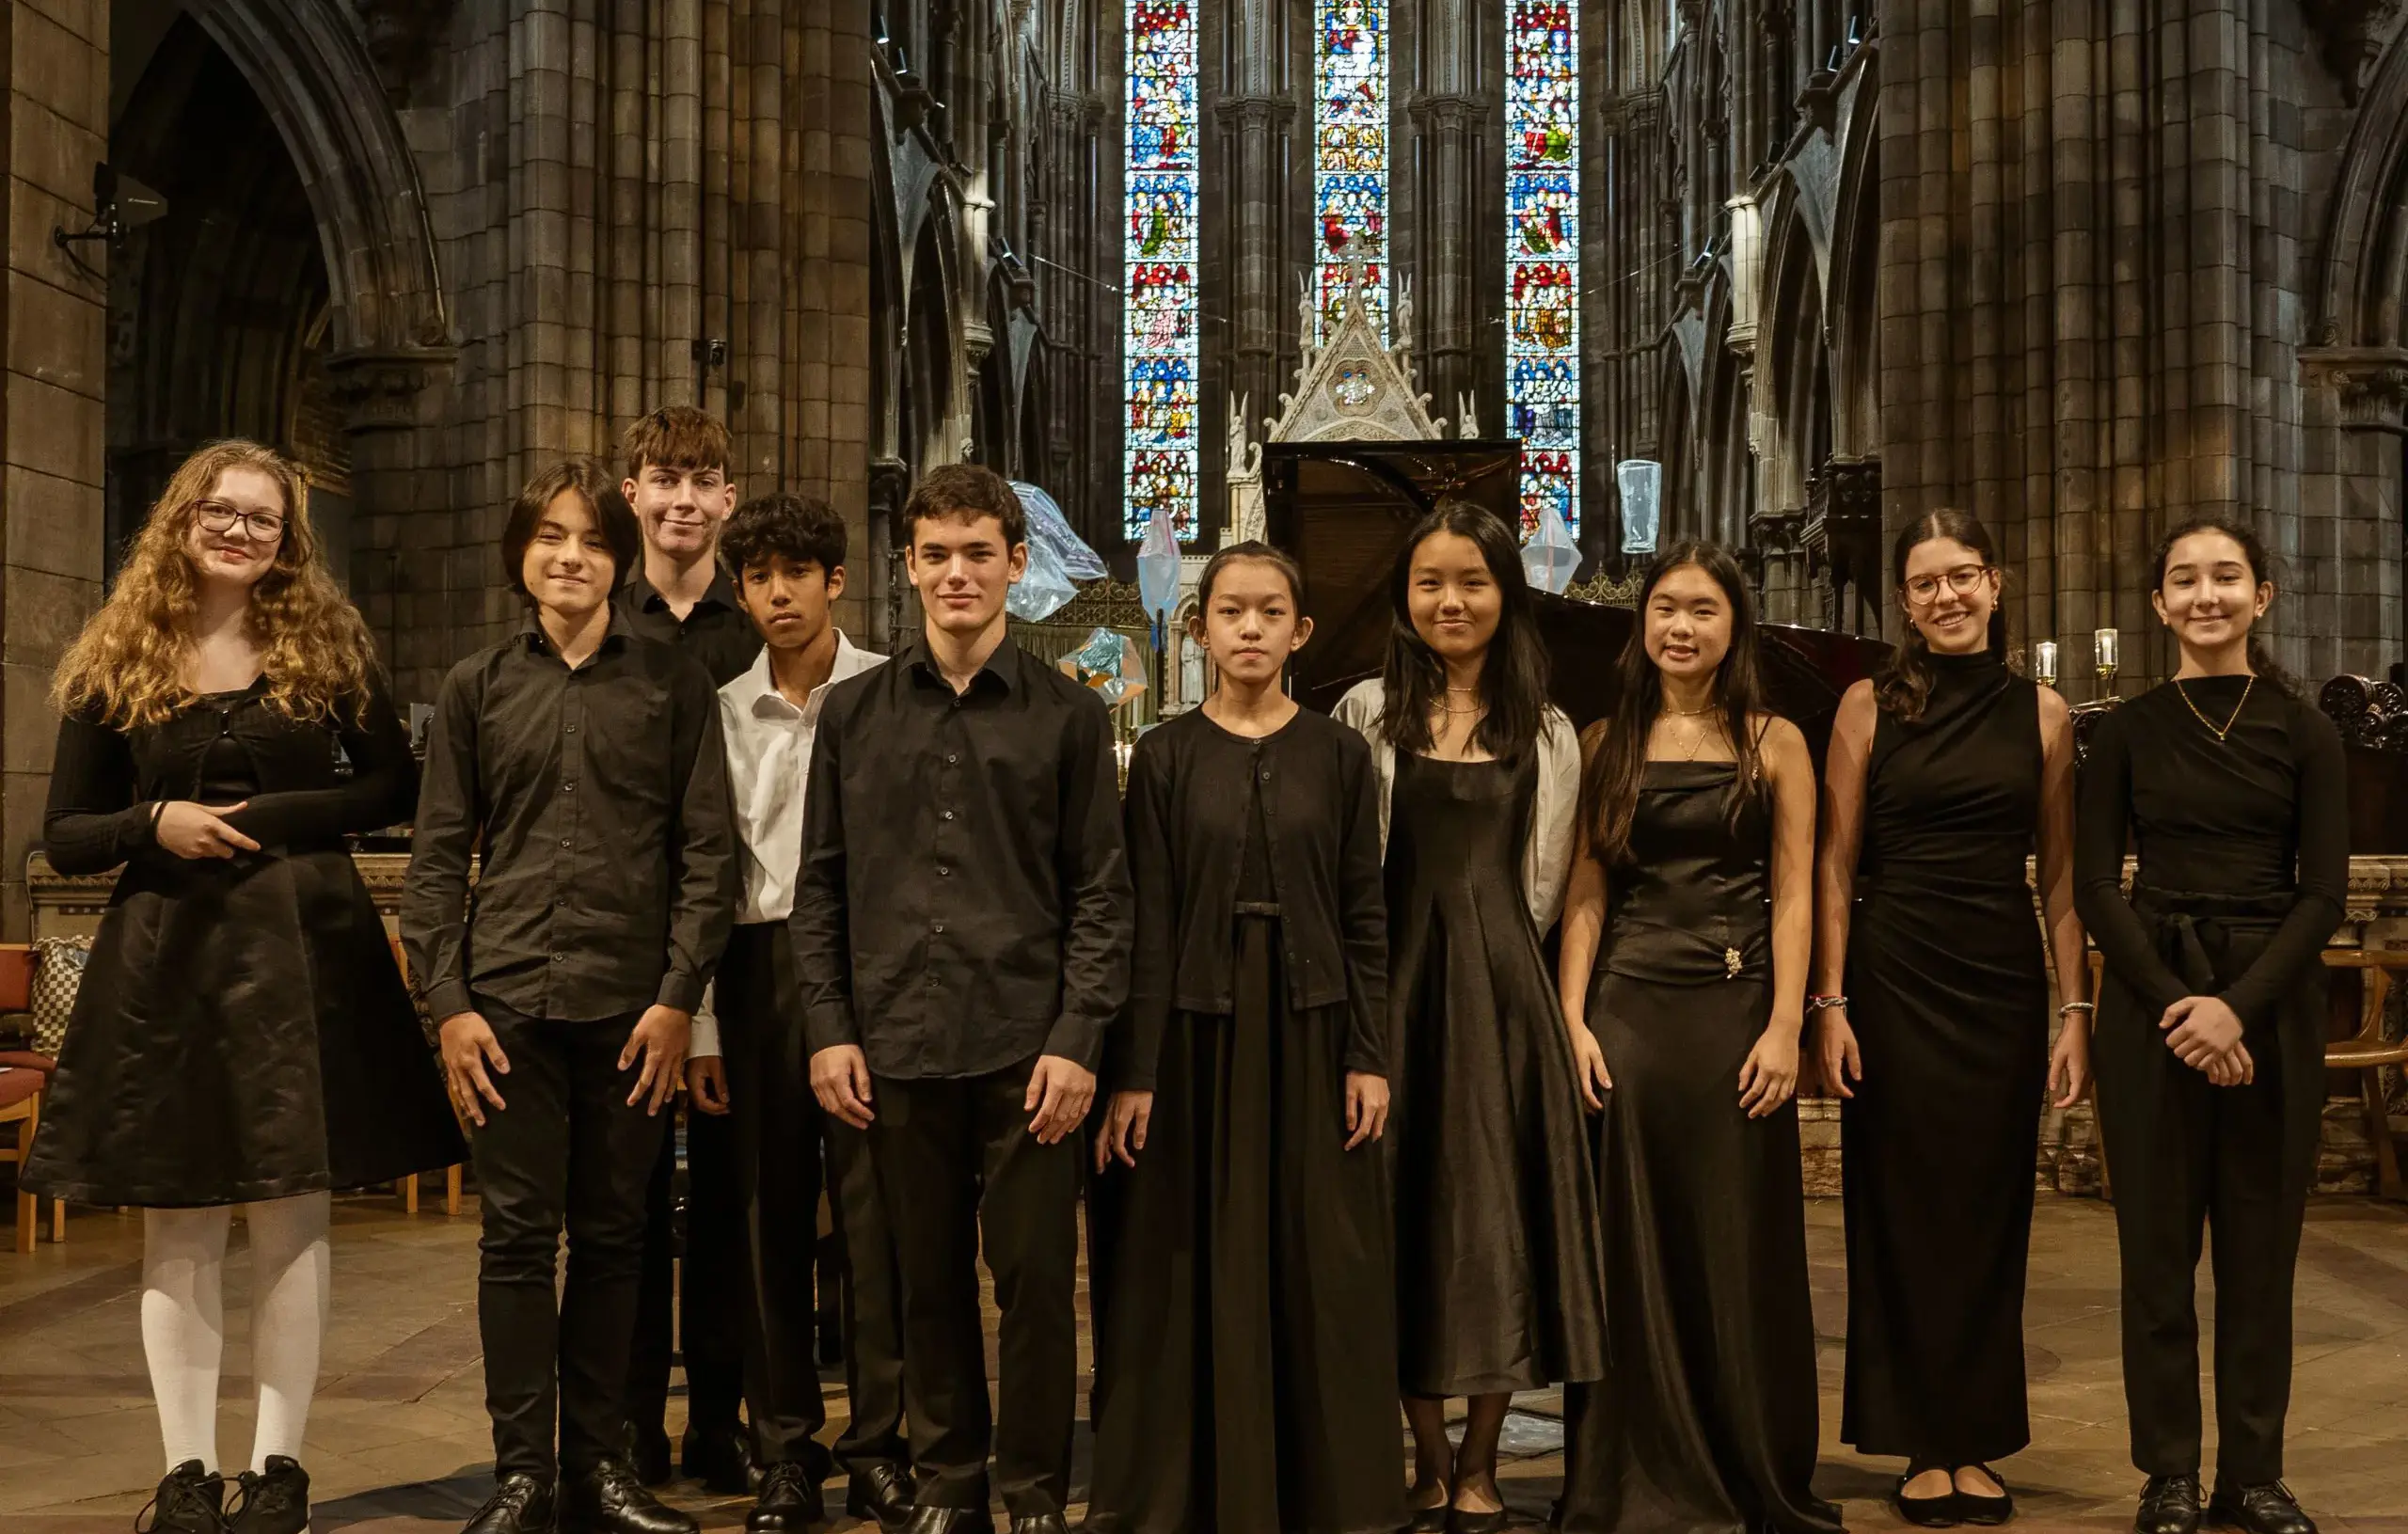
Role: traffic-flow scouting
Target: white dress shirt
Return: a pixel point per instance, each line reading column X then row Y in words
column 768, row 764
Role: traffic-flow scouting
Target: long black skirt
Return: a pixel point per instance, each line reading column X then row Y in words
column 1706, row 1421
column 242, row 1033
column 1245, row 1348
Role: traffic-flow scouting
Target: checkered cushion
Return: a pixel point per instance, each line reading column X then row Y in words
column 56, row 979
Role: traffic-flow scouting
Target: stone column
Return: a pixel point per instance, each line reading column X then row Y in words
column 408, row 548
column 1259, row 256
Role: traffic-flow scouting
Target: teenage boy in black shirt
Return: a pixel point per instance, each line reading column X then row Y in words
column 584, row 764
column 676, row 465
column 962, row 927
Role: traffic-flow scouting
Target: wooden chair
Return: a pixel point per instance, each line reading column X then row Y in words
column 2367, row 1051
column 20, row 1091
column 407, row 1187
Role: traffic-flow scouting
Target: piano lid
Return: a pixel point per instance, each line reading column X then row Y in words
column 1343, row 509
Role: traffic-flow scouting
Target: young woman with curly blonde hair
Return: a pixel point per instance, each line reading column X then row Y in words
column 243, row 1036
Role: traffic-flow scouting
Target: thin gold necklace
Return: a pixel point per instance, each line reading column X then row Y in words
column 1706, row 707
column 2211, row 726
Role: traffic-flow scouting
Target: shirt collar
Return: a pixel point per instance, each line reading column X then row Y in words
column 531, row 631
column 1003, row 665
column 757, row 692
column 642, row 596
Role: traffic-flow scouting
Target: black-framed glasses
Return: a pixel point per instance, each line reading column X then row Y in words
column 1922, row 591
column 259, row 527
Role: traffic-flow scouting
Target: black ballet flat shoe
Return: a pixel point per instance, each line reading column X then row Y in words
column 191, row 1500
column 949, row 1521
column 790, row 1502
column 720, row 1459
column 2169, row 1504
column 274, row 1501
column 1464, row 1520
column 1985, row 1511
column 608, row 1499
column 2267, row 1508
column 879, row 1490
column 1432, row 1519
column 1925, row 1511
column 519, row 1505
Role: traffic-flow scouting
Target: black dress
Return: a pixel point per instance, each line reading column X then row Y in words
column 1246, row 1374
column 242, row 1032
column 1706, row 1420
column 1499, row 1271
column 2243, row 875
column 1948, row 992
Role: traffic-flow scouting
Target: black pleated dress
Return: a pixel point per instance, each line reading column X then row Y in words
column 242, row 1032
column 1500, row 1269
column 1948, row 992
column 1706, row 1421
column 1246, row 1350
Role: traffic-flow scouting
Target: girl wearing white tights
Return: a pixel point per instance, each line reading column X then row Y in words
column 241, row 1037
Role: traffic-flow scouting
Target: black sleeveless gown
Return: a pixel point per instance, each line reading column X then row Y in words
column 1948, row 992
column 1706, row 1421
column 1497, row 1263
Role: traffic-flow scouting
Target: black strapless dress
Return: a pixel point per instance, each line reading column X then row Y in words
column 1499, row 1266
column 1706, row 1421
column 1948, row 992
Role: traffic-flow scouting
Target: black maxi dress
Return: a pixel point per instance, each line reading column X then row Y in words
column 1948, row 992
column 1706, row 1421
column 1245, row 1348
column 242, row 1032
column 2243, row 875
column 1500, row 1270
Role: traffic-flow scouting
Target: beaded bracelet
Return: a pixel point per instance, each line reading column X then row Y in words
column 1816, row 1004
column 2077, row 1007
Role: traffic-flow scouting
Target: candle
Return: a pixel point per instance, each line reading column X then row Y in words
column 2044, row 663
column 2104, row 642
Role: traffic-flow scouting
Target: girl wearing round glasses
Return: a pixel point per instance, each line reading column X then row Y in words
column 242, row 1035
column 1932, row 1000
column 2212, row 1019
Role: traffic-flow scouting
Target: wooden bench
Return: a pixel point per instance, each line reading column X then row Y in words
column 19, row 1106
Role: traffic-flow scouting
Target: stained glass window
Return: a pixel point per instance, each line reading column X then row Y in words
column 1158, row 303
column 1351, row 153
column 1543, row 254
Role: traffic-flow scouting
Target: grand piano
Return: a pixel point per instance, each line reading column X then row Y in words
column 1344, row 509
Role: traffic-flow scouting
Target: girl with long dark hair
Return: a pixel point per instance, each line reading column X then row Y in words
column 1497, row 1265
column 1932, row 1005
column 243, row 1036
column 1686, row 937
column 2211, row 1040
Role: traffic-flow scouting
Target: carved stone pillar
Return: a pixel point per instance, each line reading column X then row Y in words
column 890, row 486
column 402, row 572
column 1448, row 245
column 1255, row 246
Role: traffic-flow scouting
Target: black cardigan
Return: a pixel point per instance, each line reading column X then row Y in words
column 1188, row 811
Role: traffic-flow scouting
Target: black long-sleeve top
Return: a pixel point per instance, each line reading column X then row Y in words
column 598, row 796
column 106, row 782
column 1191, row 816
column 2263, row 813
column 963, row 902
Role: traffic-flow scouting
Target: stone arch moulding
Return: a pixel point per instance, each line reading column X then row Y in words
column 309, row 64
column 2359, row 346
column 1851, row 322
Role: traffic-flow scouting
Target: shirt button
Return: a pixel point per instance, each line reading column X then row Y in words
column 571, row 788
column 951, row 758
column 560, row 958
column 572, row 729
column 938, row 926
column 564, row 841
column 948, row 814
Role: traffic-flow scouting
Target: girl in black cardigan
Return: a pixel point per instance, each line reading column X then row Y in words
column 2210, row 1048
column 1245, row 1357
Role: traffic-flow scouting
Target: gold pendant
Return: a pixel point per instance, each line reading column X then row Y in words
column 1730, row 964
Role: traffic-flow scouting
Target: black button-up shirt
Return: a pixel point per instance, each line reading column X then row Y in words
column 714, row 631
column 964, row 900
column 599, row 799
column 1191, row 814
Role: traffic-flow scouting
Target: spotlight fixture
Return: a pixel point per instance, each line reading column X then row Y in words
column 121, row 204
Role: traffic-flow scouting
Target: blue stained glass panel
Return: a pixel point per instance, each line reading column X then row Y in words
column 1543, row 254
column 1351, row 153
column 1158, row 276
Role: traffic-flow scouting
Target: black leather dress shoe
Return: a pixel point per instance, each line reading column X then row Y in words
column 275, row 1501
column 790, row 1502
column 608, row 1499
column 949, row 1521
column 520, row 1505
column 2265, row 1508
column 191, row 1500
column 720, row 1459
column 650, row 1457
column 2169, row 1504
column 879, row 1490
column 1040, row 1522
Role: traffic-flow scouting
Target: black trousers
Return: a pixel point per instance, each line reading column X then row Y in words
column 783, row 1148
column 568, row 1150
column 709, row 1330
column 960, row 1173
column 2239, row 1159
